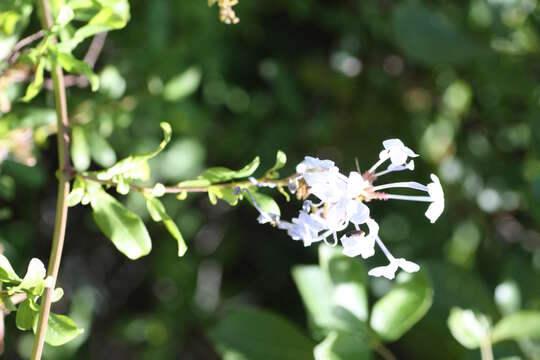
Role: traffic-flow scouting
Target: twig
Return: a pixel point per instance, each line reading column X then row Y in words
column 16, row 51
column 63, row 190
column 191, row 189
column 90, row 58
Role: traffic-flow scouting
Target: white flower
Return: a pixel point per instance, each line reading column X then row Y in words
column 407, row 266
column 305, row 227
column 436, row 194
column 361, row 244
column 396, row 151
column 314, row 164
column 389, row 271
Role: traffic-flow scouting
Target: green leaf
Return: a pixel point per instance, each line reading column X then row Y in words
column 396, row 312
column 35, row 86
column 77, row 192
column 281, row 160
column 517, row 326
column 468, row 328
column 429, row 37
column 60, row 330
column 340, row 345
column 112, row 15
column 80, row 152
column 73, row 65
column 157, row 212
column 65, row 15
column 25, row 316
column 223, row 174
column 315, row 289
column 124, row 228
column 182, row 85
column 265, row 203
column 34, row 277
column 225, row 194
column 348, row 278
column 6, row 271
column 100, row 150
column 136, row 166
column 260, row 335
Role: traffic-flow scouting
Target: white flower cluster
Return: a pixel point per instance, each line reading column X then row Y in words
column 339, row 201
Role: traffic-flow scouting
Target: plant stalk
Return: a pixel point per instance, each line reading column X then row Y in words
column 63, row 189
column 486, row 352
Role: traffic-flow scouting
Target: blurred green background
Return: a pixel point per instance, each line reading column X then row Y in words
column 456, row 81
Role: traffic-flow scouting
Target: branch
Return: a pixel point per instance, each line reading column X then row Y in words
column 16, row 51
column 63, row 189
column 90, row 58
column 195, row 189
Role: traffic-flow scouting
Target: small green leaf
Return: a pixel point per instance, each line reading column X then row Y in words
column 339, row 345
column 73, row 65
column 468, row 328
column 260, row 335
column 194, row 183
column 396, row 312
column 25, row 316
column 281, row 160
column 60, row 330
column 58, row 293
column 136, row 166
column 348, row 278
column 6, row 271
column 77, row 192
column 315, row 289
column 223, row 174
column 100, row 150
column 65, row 15
column 35, row 86
column 124, row 228
column 517, row 326
column 508, row 297
column 182, row 85
column 265, row 203
column 35, row 274
column 157, row 212
column 80, row 152
column 111, row 15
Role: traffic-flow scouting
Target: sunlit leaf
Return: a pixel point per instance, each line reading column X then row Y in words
column 281, row 160
column 397, row 311
column 315, row 288
column 517, row 326
column 223, row 174
column 35, row 86
column 124, row 228
column 100, row 150
column 468, row 328
column 348, row 278
column 76, row 66
column 60, row 330
column 25, row 316
column 136, row 166
column 80, row 152
column 157, row 212
column 6, row 270
column 182, row 85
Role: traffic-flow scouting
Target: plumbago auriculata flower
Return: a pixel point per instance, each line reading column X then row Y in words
column 334, row 201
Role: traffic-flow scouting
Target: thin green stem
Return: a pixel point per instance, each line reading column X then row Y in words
column 486, row 352
column 194, row 189
column 63, row 189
